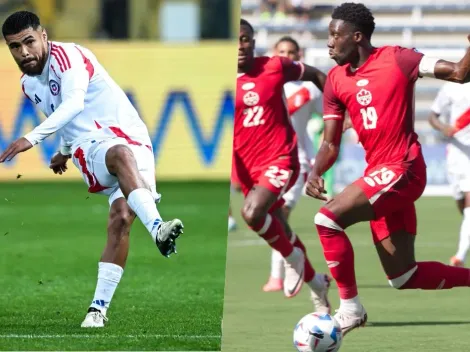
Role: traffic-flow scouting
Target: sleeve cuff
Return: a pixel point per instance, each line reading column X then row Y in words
column 65, row 150
column 31, row 139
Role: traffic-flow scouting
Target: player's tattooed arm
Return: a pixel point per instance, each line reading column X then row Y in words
column 314, row 75
column 458, row 72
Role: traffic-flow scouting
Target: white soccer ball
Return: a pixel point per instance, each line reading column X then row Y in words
column 318, row 332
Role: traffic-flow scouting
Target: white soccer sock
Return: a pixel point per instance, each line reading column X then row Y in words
column 351, row 305
column 277, row 265
column 109, row 275
column 141, row 201
column 464, row 242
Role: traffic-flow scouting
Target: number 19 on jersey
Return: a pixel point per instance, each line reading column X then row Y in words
column 369, row 117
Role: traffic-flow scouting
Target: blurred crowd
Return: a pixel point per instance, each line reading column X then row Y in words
column 281, row 9
column 118, row 19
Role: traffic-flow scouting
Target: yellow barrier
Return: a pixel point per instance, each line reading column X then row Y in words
column 184, row 94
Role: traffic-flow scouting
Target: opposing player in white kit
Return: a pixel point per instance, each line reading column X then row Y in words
column 303, row 99
column 102, row 133
column 450, row 114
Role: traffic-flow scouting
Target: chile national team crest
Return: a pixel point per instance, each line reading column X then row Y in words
column 54, row 86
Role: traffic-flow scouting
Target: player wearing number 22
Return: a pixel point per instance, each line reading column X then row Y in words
column 265, row 160
column 376, row 85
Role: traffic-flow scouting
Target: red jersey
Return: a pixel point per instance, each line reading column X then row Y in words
column 379, row 97
column 263, row 130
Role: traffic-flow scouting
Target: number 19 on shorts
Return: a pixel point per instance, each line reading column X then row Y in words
column 369, row 117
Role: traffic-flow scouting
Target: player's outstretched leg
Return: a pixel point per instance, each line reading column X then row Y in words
column 347, row 208
column 319, row 284
column 464, row 238
column 258, row 203
column 112, row 263
column 121, row 162
column 276, row 278
column 396, row 253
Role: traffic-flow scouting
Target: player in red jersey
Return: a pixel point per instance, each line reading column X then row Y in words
column 265, row 160
column 375, row 86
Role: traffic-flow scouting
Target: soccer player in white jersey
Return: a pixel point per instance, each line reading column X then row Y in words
column 450, row 114
column 102, row 133
column 302, row 100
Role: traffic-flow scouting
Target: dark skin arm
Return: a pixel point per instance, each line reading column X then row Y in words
column 458, row 72
column 326, row 157
column 313, row 74
column 438, row 125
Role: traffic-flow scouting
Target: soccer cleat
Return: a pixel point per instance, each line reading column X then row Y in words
column 454, row 261
column 94, row 319
column 294, row 272
column 167, row 233
column 273, row 285
column 349, row 322
column 320, row 299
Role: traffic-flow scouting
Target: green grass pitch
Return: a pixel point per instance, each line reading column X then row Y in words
column 51, row 238
column 411, row 321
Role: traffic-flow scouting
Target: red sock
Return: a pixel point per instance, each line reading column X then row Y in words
column 338, row 252
column 274, row 234
column 309, row 272
column 437, row 276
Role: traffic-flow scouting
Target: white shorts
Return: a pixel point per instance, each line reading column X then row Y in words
column 458, row 173
column 90, row 159
column 291, row 197
column 459, row 183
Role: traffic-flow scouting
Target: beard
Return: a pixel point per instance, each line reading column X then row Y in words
column 33, row 67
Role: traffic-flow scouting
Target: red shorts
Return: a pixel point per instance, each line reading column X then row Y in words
column 278, row 176
column 392, row 190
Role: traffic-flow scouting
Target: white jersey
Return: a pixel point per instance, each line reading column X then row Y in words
column 80, row 99
column 303, row 99
column 453, row 104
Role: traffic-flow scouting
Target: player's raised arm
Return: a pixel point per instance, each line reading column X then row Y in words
column 333, row 116
column 314, row 75
column 298, row 71
column 458, row 72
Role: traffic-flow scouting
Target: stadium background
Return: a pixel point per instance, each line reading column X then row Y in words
column 176, row 61
column 169, row 56
column 409, row 320
column 437, row 28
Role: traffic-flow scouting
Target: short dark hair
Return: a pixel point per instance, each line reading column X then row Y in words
column 19, row 21
column 244, row 22
column 356, row 14
column 289, row 39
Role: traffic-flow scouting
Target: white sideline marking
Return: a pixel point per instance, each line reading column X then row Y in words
column 80, row 336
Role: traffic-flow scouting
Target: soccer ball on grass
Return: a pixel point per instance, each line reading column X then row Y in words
column 318, row 332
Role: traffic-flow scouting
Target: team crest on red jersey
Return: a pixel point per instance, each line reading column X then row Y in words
column 364, row 97
column 54, row 87
column 251, row 98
